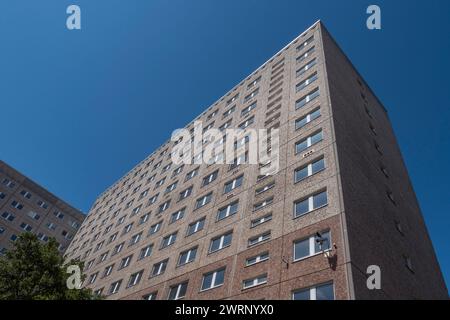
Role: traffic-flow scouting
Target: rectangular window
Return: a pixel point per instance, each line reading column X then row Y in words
column 220, row 242
column 187, row 256
column 135, row 239
column 248, row 109
column 185, row 193
column 33, row 215
column 125, row 262
column 227, row 211
column 233, row 99
column 305, row 43
column 135, row 278
column 253, row 282
column 159, row 268
column 229, row 111
column 203, row 201
column 306, row 67
column 8, row 216
column 320, row 292
column 171, row 187
column 247, row 123
column 115, row 287
column 196, row 226
column 302, row 85
column 259, row 221
column 150, row 296
column 312, row 245
column 108, row 271
column 26, row 227
column 309, row 169
column 263, row 204
column 178, row 291
column 168, row 240
column 177, row 215
column 16, row 205
column 213, row 279
column 309, row 204
column 164, row 206
column 210, row 178
column 303, row 121
column 300, row 103
column 258, row 239
column 306, row 55
column 265, row 188
column 146, row 252
column 307, row 142
column 257, row 259
column 233, row 184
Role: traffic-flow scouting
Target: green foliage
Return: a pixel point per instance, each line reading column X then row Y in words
column 36, row 271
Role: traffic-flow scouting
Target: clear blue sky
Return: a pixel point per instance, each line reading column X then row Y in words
column 78, row 109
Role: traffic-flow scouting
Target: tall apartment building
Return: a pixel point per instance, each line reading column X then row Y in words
column 341, row 201
column 25, row 206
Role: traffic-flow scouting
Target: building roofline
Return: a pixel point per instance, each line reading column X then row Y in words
column 41, row 191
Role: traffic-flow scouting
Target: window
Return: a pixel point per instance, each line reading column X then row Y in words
column 250, row 96
column 213, row 279
column 13, row 237
column 307, row 98
column 42, row 204
column 177, row 215
column 309, row 169
column 127, row 228
column 168, row 240
column 220, row 242
column 201, row 202
column 160, row 183
column 33, row 215
column 112, row 237
column 146, row 252
column 93, row 277
column 125, row 262
column 191, row 174
column 136, row 210
column 307, row 142
column 186, row 193
column 115, row 287
column 321, row 292
column 108, row 270
column 229, row 111
column 227, row 211
column 103, row 256
column 177, row 171
column 265, row 188
column 135, row 239
column 254, row 82
column 303, row 121
column 163, row 207
column 258, row 239
column 233, row 99
column 210, row 178
column 313, row 245
column 238, row 161
column 259, row 221
column 248, row 109
column 253, row 282
column 2, row 195
column 26, row 194
column 247, row 123
column 150, row 296
column 225, row 126
column 302, row 85
column 159, row 268
column 310, row 203
column 155, row 228
column 44, row 238
column 144, row 218
column 305, row 43
column 118, row 248
column 262, row 204
column 235, row 183
column 8, row 183
column 196, row 226
column 135, row 278
column 153, row 199
column 17, row 205
column 187, row 256
column 178, row 291
column 26, row 227
column 8, row 216
column 171, row 187
column 257, row 259
column 306, row 54
column 306, row 67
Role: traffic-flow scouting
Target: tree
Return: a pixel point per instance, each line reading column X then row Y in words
column 36, row 271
